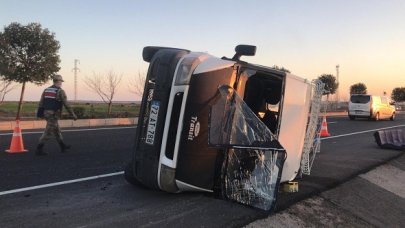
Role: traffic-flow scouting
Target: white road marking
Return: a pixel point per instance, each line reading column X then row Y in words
column 72, row 130
column 68, row 181
column 122, row 172
column 361, row 132
column 60, row 183
column 332, row 122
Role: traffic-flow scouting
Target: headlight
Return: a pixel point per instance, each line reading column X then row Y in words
column 185, row 69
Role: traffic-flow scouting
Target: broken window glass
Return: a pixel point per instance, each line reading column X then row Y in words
column 254, row 160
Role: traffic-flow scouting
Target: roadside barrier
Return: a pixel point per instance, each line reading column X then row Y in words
column 40, row 124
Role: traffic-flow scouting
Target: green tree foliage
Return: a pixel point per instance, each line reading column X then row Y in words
column 358, row 88
column 398, row 94
column 330, row 84
column 28, row 53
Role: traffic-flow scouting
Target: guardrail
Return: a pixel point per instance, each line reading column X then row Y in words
column 40, row 124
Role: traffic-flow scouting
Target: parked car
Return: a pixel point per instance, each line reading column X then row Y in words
column 219, row 125
column 370, row 106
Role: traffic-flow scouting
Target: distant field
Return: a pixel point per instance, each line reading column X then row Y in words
column 90, row 110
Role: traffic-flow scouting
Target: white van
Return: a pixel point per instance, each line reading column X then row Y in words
column 369, row 106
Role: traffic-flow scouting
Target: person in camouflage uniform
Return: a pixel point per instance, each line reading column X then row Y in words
column 50, row 108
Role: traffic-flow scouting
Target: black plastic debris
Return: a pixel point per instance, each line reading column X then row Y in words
column 390, row 139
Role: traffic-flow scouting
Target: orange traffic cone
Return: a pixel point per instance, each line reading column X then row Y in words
column 324, row 128
column 17, row 145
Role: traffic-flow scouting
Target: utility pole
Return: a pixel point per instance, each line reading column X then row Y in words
column 337, row 91
column 76, row 69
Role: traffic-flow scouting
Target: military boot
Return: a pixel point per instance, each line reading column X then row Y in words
column 40, row 150
column 64, row 147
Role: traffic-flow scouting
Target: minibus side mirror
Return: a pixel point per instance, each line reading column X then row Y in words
column 248, row 50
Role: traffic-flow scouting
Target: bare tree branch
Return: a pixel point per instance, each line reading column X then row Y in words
column 5, row 88
column 104, row 85
column 136, row 84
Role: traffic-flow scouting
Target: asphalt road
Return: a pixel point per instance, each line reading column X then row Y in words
column 93, row 152
column 111, row 202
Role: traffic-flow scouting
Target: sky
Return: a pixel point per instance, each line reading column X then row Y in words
column 366, row 38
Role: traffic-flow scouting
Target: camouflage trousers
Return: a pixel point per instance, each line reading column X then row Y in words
column 52, row 128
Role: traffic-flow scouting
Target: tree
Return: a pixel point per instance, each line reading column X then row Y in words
column 358, row 88
column 5, row 88
column 105, row 86
column 281, row 69
column 398, row 94
column 137, row 84
column 28, row 54
column 330, row 84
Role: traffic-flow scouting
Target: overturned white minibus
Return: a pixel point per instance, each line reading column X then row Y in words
column 222, row 125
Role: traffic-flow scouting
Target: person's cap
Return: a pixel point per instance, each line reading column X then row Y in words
column 57, row 77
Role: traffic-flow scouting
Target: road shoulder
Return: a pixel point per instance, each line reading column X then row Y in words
column 375, row 198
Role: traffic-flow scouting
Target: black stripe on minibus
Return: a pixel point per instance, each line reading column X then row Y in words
column 174, row 122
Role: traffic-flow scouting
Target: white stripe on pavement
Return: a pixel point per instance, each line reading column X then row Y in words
column 122, row 172
column 73, row 130
column 361, row 132
column 59, row 183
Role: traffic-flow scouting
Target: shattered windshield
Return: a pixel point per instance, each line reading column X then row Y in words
column 254, row 160
column 232, row 122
